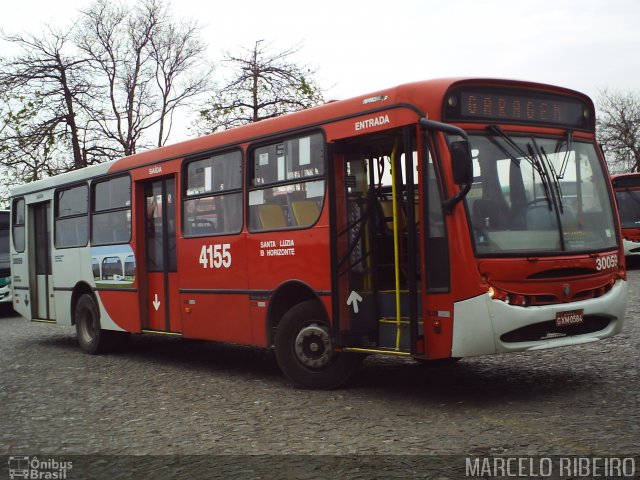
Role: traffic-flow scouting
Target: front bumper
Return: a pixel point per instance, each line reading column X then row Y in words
column 480, row 324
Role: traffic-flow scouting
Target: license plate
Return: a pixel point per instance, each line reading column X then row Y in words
column 572, row 317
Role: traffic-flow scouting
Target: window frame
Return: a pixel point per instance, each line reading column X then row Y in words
column 251, row 188
column 57, row 216
column 185, row 197
column 94, row 213
column 21, row 226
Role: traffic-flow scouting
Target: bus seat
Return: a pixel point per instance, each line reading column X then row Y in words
column 271, row 216
column 306, row 212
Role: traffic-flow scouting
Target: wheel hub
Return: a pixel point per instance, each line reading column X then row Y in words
column 313, row 346
column 88, row 328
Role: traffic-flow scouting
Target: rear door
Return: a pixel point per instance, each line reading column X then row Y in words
column 42, row 295
column 163, row 313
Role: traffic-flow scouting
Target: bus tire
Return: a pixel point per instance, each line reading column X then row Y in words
column 305, row 351
column 91, row 338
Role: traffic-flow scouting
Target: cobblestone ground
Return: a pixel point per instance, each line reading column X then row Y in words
column 173, row 396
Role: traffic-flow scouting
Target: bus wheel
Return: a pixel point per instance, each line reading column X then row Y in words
column 91, row 338
column 305, row 350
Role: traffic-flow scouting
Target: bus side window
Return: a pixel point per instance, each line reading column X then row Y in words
column 71, row 217
column 111, row 218
column 18, row 222
column 287, row 187
column 213, row 196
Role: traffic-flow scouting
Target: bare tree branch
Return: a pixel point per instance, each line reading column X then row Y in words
column 619, row 130
column 263, row 85
column 47, row 73
column 150, row 67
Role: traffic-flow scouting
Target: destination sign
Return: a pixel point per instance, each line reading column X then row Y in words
column 516, row 106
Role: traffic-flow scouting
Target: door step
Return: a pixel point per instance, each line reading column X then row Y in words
column 383, row 351
column 396, row 335
column 162, row 332
column 43, row 320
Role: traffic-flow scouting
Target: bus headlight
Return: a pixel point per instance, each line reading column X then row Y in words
column 508, row 298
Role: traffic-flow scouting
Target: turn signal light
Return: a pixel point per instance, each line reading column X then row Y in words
column 497, row 294
column 437, row 326
column 518, row 300
column 509, row 298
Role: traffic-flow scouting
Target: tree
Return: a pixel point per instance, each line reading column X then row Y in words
column 147, row 65
column 619, row 130
column 99, row 90
column 32, row 145
column 262, row 85
column 41, row 89
column 178, row 54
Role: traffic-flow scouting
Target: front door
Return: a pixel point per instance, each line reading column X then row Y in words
column 161, row 260
column 378, row 261
column 42, row 298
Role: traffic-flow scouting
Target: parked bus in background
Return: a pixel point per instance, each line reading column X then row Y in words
column 435, row 220
column 627, row 189
column 5, row 266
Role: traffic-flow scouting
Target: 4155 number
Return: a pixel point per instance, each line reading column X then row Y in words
column 216, row 256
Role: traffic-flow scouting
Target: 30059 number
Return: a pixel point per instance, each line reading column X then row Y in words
column 604, row 263
column 216, row 256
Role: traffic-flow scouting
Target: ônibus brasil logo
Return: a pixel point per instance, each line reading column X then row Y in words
column 37, row 468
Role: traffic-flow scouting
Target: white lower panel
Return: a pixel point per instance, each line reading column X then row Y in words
column 479, row 322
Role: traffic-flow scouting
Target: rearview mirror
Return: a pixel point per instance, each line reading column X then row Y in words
column 461, row 160
column 461, row 165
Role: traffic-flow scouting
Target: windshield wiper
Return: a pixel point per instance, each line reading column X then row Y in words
column 544, row 163
column 548, row 166
column 531, row 158
column 568, row 138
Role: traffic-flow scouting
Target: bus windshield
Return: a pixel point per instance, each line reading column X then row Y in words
column 537, row 195
column 629, row 208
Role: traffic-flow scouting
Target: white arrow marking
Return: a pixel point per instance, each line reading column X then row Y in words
column 353, row 300
column 156, row 303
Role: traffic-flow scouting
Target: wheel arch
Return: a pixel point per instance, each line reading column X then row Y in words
column 283, row 299
column 80, row 289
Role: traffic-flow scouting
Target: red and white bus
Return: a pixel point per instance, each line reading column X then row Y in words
column 627, row 190
column 437, row 220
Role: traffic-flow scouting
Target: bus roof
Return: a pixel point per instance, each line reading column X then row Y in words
column 410, row 95
column 64, row 178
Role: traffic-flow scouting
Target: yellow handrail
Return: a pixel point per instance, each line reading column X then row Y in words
column 396, row 246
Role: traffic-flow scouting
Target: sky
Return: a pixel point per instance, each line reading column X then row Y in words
column 360, row 46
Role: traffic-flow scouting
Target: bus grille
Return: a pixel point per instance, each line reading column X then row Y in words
column 562, row 273
column 549, row 299
column 547, row 330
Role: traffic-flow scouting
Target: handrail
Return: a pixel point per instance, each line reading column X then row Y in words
column 396, row 244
